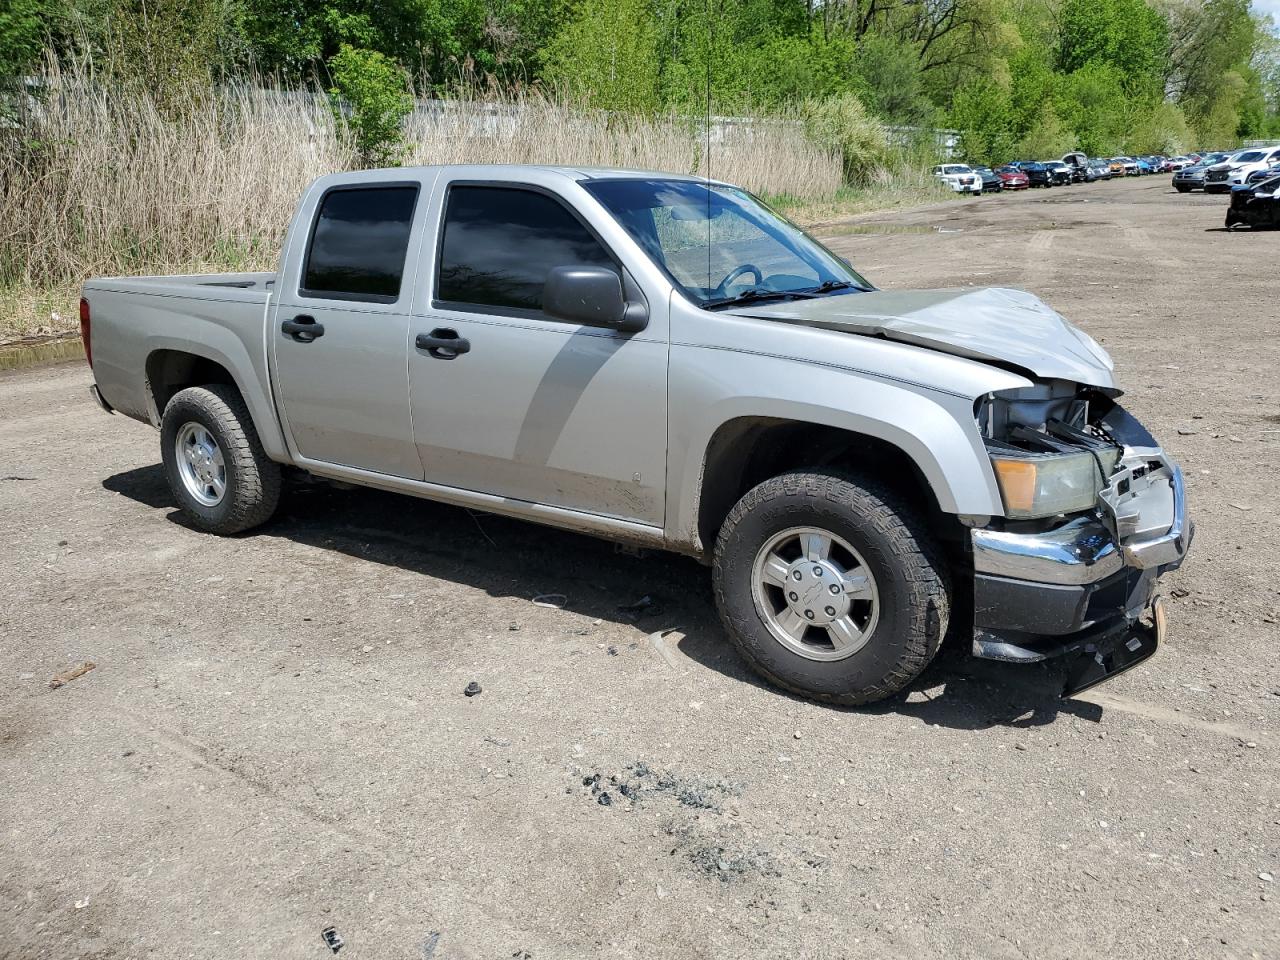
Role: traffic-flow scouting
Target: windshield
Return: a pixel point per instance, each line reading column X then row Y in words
column 955, row 168
column 1249, row 156
column 721, row 244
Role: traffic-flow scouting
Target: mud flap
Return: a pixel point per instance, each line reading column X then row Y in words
column 1100, row 659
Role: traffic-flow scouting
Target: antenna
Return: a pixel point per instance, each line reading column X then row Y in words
column 707, row 132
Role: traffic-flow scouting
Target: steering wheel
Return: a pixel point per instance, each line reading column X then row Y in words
column 737, row 272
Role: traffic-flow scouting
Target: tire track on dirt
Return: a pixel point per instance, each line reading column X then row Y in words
column 1039, row 267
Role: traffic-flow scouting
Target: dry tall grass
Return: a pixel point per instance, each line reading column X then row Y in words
column 97, row 180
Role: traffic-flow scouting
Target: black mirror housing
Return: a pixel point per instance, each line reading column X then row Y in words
column 592, row 296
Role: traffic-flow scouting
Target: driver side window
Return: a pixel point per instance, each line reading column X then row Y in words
column 499, row 243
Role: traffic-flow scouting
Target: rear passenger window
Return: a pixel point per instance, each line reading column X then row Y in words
column 358, row 244
column 500, row 243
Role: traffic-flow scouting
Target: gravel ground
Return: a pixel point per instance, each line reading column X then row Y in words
column 275, row 738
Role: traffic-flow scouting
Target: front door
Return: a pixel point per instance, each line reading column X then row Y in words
column 340, row 335
column 535, row 409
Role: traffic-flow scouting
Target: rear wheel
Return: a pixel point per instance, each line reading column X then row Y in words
column 1181, row 189
column 214, row 462
column 830, row 588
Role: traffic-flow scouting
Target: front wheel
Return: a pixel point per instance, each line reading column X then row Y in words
column 214, row 461
column 830, row 588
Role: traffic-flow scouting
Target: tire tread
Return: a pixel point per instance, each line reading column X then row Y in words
column 255, row 490
column 894, row 519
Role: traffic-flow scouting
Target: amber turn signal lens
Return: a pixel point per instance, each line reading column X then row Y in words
column 1017, row 479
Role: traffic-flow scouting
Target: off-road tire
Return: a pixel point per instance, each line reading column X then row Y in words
column 910, row 574
column 252, row 479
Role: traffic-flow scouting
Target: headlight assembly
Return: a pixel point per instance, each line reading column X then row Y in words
column 1043, row 485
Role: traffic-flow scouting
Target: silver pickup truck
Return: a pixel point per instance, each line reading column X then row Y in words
column 666, row 362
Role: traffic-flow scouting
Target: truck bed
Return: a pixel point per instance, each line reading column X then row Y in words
column 139, row 323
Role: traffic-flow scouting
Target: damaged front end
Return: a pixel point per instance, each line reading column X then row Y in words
column 1095, row 513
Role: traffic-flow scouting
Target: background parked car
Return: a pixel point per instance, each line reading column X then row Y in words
column 1079, row 165
column 1101, row 168
column 1038, row 174
column 1257, row 205
column 1191, row 176
column 991, row 182
column 1059, row 171
column 1011, row 178
column 1221, row 177
column 1265, row 174
column 959, row 177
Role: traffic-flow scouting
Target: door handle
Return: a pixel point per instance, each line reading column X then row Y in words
column 302, row 328
column 443, row 343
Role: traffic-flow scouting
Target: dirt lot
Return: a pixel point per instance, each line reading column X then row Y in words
column 275, row 738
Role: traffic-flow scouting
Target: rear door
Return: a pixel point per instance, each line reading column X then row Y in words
column 535, row 409
column 340, row 331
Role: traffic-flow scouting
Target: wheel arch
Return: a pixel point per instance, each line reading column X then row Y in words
column 935, row 465
column 169, row 369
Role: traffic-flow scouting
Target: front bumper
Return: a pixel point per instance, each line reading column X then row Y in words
column 1082, row 590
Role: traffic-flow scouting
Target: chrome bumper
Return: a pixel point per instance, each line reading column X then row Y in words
column 1084, row 550
column 1079, row 593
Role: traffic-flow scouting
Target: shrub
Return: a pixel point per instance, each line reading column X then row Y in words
column 842, row 123
column 370, row 100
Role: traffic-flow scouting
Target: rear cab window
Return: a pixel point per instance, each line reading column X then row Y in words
column 499, row 243
column 359, row 242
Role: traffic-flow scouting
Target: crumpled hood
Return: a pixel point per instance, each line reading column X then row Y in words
column 992, row 325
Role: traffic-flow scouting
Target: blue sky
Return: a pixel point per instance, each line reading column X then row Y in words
column 1268, row 6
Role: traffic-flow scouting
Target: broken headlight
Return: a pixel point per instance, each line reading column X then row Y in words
column 1048, row 454
column 1044, row 485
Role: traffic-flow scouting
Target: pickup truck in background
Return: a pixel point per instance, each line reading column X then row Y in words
column 664, row 361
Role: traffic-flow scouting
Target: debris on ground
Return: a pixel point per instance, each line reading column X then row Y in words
column 646, row 606
column 429, row 945
column 331, row 939
column 724, row 863
column 639, row 783
column 472, row 689
column 62, row 679
column 555, row 601
column 658, row 639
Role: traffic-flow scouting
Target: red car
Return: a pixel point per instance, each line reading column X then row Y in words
column 1011, row 178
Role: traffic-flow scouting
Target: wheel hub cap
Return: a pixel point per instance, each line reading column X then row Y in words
column 815, row 593
column 201, row 466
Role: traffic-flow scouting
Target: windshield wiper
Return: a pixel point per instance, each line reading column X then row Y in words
column 826, row 286
column 758, row 296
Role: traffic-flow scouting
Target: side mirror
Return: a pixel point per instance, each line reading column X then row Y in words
column 592, row 296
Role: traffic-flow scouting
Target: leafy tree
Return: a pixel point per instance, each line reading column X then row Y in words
column 891, row 78
column 983, row 113
column 1092, row 102
column 608, row 55
column 1048, row 136
column 172, row 48
column 22, row 35
column 1128, row 35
